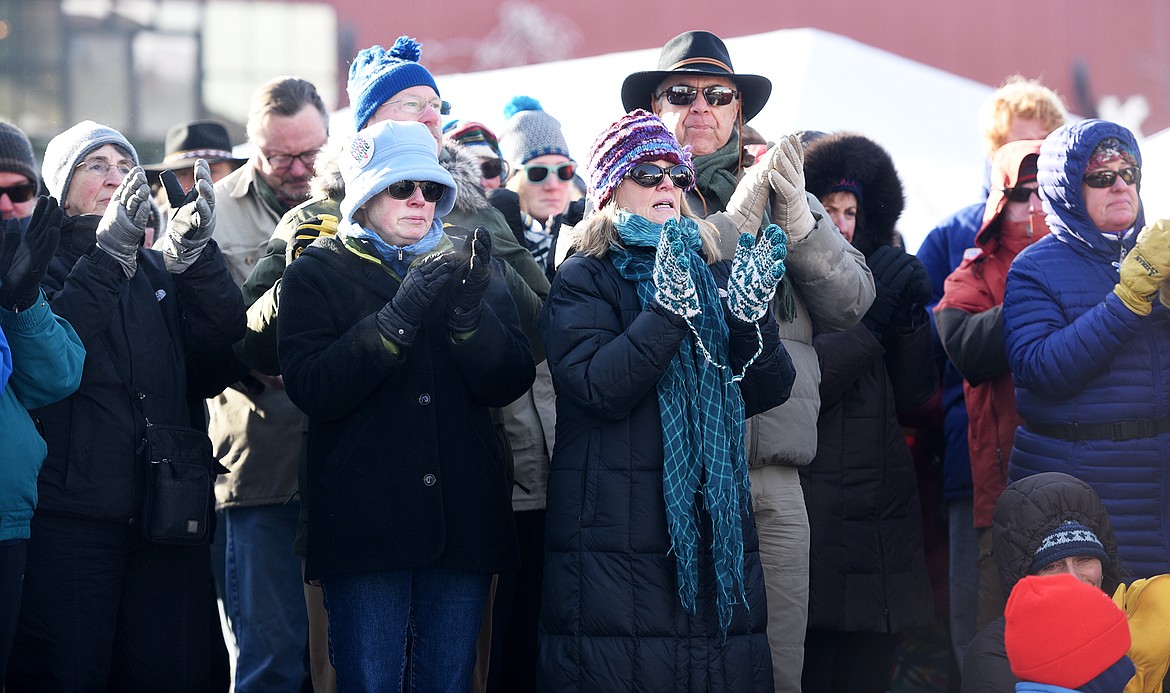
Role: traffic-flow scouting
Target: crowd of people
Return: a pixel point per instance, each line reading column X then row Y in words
column 430, row 408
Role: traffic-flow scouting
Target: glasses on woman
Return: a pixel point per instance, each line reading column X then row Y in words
column 19, row 193
column 1105, row 179
column 1019, row 193
column 494, row 168
column 279, row 161
column 685, row 95
column 404, row 189
column 650, row 175
column 537, row 173
column 101, row 167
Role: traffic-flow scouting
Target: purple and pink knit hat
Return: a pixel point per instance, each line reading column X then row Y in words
column 636, row 137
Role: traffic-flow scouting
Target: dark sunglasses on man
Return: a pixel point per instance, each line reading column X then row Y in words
column 1105, row 179
column 537, row 173
column 650, row 175
column 1020, row 193
column 685, row 95
column 404, row 189
column 19, row 193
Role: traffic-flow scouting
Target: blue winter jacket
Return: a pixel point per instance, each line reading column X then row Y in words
column 41, row 359
column 1078, row 355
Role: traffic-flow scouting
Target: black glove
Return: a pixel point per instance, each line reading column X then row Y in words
column 401, row 317
column 892, row 269
column 476, row 274
column 24, row 256
column 910, row 313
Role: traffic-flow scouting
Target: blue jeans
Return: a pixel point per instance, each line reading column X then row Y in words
column 373, row 616
column 264, row 597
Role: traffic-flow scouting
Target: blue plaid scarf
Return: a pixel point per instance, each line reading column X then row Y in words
column 702, row 425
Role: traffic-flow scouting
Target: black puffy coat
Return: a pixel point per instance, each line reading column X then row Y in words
column 1025, row 514
column 611, row 618
column 867, row 567
column 158, row 330
column 404, row 467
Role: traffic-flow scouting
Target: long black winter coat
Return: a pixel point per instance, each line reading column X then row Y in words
column 610, row 614
column 867, row 567
column 404, row 466
column 1027, row 512
column 159, row 331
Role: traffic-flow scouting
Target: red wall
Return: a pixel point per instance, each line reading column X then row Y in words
column 1124, row 46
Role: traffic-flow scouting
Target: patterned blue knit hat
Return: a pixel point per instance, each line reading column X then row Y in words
column 530, row 132
column 1070, row 538
column 377, row 74
column 636, row 137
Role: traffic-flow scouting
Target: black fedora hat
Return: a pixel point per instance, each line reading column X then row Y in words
column 198, row 139
column 700, row 53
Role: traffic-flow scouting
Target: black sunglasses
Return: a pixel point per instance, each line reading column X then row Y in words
column 1105, row 179
column 494, row 168
column 650, row 175
column 1019, row 193
column 537, row 173
column 685, row 95
column 19, row 193
column 404, row 189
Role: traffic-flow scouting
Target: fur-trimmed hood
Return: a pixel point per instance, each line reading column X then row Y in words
column 327, row 182
column 463, row 165
column 856, row 158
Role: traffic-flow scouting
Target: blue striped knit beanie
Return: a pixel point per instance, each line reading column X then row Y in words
column 377, row 74
column 1070, row 538
column 530, row 132
column 636, row 137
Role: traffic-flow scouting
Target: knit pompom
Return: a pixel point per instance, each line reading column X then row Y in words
column 406, row 48
column 521, row 103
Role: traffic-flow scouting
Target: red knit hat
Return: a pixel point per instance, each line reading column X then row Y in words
column 1061, row 631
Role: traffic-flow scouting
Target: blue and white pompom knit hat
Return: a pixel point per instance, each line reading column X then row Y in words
column 389, row 152
column 530, row 132
column 377, row 74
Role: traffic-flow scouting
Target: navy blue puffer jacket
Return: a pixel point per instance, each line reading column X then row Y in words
column 1078, row 355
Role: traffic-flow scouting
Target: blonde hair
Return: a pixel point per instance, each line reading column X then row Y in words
column 597, row 233
column 1019, row 97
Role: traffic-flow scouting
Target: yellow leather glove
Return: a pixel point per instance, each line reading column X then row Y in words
column 309, row 231
column 1144, row 268
column 1146, row 604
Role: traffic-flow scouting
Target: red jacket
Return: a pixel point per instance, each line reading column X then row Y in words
column 970, row 324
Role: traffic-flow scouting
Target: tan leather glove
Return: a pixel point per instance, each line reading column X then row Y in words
column 1146, row 604
column 786, row 175
column 745, row 209
column 1145, row 267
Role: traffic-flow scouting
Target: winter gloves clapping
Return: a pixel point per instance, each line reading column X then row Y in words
column 193, row 220
column 25, row 255
column 466, row 274
column 123, row 225
column 902, row 290
column 674, row 286
column 756, row 270
column 778, row 177
column 1145, row 268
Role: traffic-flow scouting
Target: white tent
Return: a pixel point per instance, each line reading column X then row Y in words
column 1156, row 175
column 923, row 116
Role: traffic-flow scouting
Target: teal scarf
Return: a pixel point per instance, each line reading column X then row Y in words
column 702, row 424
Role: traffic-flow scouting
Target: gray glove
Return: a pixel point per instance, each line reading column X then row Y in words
column 745, row 209
column 786, row 174
column 123, row 226
column 192, row 221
